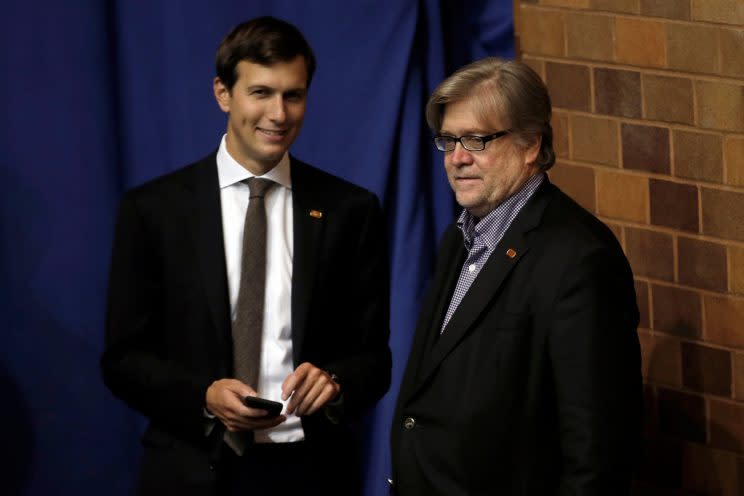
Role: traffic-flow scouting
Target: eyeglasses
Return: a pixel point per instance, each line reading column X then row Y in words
column 445, row 143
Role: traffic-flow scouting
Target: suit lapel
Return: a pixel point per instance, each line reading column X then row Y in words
column 510, row 250
column 210, row 250
column 309, row 212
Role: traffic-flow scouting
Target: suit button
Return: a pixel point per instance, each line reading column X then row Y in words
column 409, row 423
column 211, row 467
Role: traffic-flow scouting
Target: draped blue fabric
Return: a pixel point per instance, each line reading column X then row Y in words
column 99, row 96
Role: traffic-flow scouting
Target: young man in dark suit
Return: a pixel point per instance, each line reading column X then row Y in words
column 524, row 375
column 250, row 273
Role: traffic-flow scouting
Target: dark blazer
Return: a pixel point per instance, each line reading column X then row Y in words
column 534, row 387
column 168, row 331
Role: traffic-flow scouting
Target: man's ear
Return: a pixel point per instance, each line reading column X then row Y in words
column 221, row 94
column 532, row 150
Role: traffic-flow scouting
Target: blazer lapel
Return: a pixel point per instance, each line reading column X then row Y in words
column 512, row 247
column 210, row 250
column 308, row 210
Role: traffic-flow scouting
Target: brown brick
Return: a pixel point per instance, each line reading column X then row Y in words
column 573, row 4
column 616, row 230
column 650, row 254
column 706, row 370
column 698, row 156
column 724, row 11
column 736, row 269
column 589, row 36
column 674, row 9
column 708, row 471
column 577, row 182
column 650, row 417
column 660, row 467
column 720, row 105
column 594, row 140
column 626, row 6
column 660, row 359
column 734, row 153
column 732, row 60
column 692, row 48
column 727, row 425
column 541, row 32
column 642, row 296
column 723, row 213
column 646, row 148
column 622, row 196
column 668, row 99
column 702, row 264
column 560, row 134
column 617, row 92
column 724, row 320
column 568, row 85
column 537, row 65
column 682, row 415
column 640, row 42
column 739, row 375
column 677, row 311
column 674, row 205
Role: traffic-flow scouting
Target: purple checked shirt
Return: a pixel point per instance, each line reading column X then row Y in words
column 482, row 236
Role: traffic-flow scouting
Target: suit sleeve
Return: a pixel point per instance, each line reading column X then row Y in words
column 364, row 373
column 595, row 360
column 135, row 365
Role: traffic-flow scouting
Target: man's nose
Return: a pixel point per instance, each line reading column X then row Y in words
column 277, row 109
column 461, row 156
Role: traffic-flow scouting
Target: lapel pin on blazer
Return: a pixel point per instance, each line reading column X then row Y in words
column 317, row 214
column 511, row 253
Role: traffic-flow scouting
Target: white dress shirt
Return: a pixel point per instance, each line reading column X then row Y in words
column 276, row 345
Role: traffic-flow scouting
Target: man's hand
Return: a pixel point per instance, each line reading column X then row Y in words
column 225, row 401
column 310, row 389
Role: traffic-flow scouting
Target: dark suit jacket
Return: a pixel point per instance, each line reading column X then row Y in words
column 168, row 333
column 534, row 388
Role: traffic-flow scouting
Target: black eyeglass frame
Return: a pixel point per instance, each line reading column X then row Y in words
column 455, row 139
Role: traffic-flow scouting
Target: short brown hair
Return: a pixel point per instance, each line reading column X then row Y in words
column 263, row 40
column 508, row 89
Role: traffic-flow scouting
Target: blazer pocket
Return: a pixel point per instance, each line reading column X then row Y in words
column 507, row 321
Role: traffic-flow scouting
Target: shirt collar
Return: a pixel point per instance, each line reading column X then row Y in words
column 229, row 171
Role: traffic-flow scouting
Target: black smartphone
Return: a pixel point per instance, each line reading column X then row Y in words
column 273, row 408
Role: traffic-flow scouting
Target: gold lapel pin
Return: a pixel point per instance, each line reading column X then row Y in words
column 511, row 253
column 316, row 214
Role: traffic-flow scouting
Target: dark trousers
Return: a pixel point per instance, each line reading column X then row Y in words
column 290, row 469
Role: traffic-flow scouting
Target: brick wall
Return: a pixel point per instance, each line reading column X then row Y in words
column 648, row 102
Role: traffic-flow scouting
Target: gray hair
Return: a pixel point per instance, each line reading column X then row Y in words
column 500, row 88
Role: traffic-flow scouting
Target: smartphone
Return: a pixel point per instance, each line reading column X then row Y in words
column 273, row 408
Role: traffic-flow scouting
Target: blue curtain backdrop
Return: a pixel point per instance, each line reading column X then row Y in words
column 98, row 96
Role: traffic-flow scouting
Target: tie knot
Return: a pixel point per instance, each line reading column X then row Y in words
column 259, row 186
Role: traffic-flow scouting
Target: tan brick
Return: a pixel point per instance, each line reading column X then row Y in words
column 720, row 105
column 577, row 182
column 617, row 92
column 617, row 230
column 677, row 311
column 622, row 196
column 724, row 11
column 625, row 6
column 692, row 48
column 559, row 122
column 732, row 57
column 670, row 9
column 668, row 99
column 542, row 32
column 674, row 205
column 698, row 156
column 568, row 85
column 734, row 153
column 537, row 65
column 573, row 4
column 651, row 254
column 702, row 264
column 594, row 140
column 738, row 375
column 645, row 148
column 724, row 320
column 709, row 471
column 723, row 213
column 643, row 294
column 736, row 269
column 640, row 42
column 589, row 36
column 727, row 425
column 706, row 370
column 660, row 359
